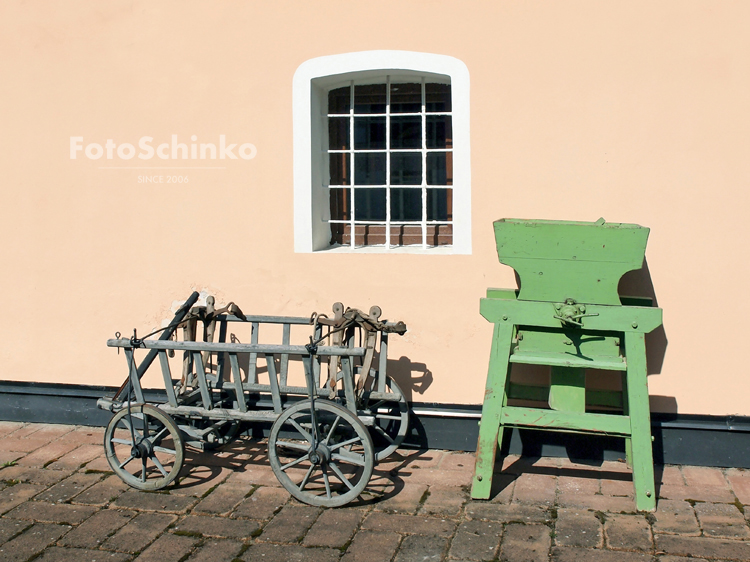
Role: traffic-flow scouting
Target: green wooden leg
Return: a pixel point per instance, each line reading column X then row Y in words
column 640, row 423
column 626, row 411
column 490, row 430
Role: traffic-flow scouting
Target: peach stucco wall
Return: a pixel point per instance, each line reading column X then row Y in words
column 634, row 111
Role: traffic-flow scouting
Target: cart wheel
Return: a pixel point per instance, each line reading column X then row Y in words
column 156, row 457
column 338, row 470
column 387, row 418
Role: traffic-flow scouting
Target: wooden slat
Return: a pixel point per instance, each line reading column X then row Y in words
column 237, row 380
column 536, row 418
column 167, row 375
column 202, row 382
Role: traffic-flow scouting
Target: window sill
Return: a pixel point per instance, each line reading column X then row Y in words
column 435, row 250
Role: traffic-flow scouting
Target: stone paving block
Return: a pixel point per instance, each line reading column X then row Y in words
column 262, row 504
column 200, row 479
column 577, row 485
column 446, row 501
column 289, row 553
column 704, row 476
column 675, row 516
column 715, row 494
column 95, row 530
column 216, row 551
column 34, row 475
column 421, row 548
column 576, row 527
column 46, row 454
column 139, row 532
column 223, row 499
column 372, row 546
column 620, row 488
column 722, row 520
column 571, row 554
column 530, row 543
column 739, row 479
column 15, row 495
column 155, row 501
column 217, row 526
column 334, row 527
column 513, row 513
column 31, row 542
column 68, row 488
column 607, row 504
column 628, row 532
column 705, row 547
column 411, row 524
column 99, row 464
column 8, row 427
column 436, row 477
column 513, row 464
column 463, row 462
column 503, row 486
column 290, row 524
column 78, row 457
column 254, row 474
column 103, row 492
column 669, row 475
column 535, row 489
column 476, row 540
column 620, row 467
column 408, row 499
column 60, row 554
column 51, row 512
column 8, row 458
column 168, row 548
column 9, row 528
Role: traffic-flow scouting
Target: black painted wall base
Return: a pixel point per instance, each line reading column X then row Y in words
column 678, row 439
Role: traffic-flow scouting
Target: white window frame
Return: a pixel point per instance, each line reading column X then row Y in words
column 312, row 81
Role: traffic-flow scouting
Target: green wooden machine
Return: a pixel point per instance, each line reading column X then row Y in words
column 568, row 315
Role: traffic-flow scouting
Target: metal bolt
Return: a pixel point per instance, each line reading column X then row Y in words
column 634, row 324
column 479, row 477
column 648, row 493
column 505, row 317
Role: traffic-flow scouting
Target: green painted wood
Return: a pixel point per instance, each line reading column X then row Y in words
column 558, row 260
column 600, row 398
column 640, row 420
column 570, row 361
column 493, row 293
column 495, row 395
column 567, row 390
column 610, row 424
column 542, row 314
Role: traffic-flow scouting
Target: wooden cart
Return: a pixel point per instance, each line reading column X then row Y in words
column 325, row 436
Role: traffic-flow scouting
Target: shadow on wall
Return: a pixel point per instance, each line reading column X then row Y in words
column 637, row 283
column 412, row 378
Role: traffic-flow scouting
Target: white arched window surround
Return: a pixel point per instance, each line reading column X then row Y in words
column 312, row 80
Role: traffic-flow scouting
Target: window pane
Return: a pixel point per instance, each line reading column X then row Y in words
column 406, row 132
column 439, row 204
column 369, row 169
column 338, row 133
column 437, row 97
column 369, row 204
column 369, row 99
column 406, row 98
column 439, row 131
column 338, row 100
column 406, row 168
column 338, row 169
column 439, row 168
column 406, row 204
column 369, row 133
column 340, row 204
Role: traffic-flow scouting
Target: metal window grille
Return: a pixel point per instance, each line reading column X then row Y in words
column 390, row 164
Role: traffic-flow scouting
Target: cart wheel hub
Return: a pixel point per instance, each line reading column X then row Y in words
column 141, row 450
column 321, row 455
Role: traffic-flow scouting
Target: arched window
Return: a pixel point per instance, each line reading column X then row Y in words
column 381, row 153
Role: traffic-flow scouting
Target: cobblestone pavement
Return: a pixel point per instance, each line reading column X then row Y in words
column 60, row 502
